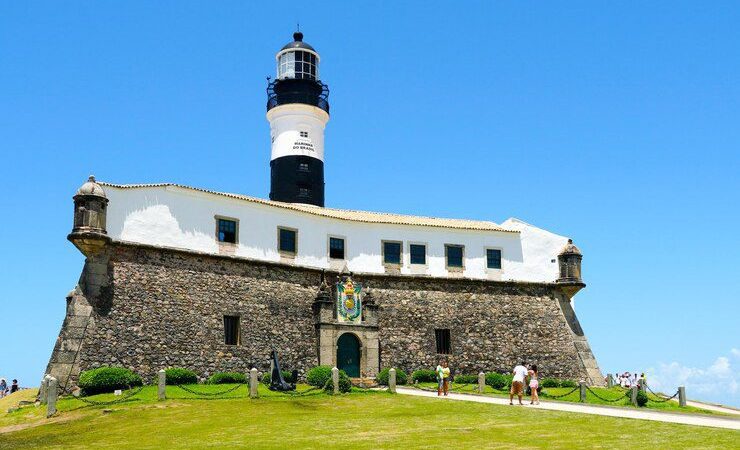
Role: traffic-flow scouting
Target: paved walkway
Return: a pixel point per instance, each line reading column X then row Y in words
column 682, row 418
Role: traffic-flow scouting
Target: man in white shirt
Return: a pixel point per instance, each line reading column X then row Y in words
column 517, row 385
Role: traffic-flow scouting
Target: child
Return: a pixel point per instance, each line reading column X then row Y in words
column 534, row 384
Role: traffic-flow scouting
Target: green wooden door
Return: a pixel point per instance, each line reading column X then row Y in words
column 348, row 354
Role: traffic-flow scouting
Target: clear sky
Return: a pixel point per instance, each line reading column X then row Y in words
column 614, row 123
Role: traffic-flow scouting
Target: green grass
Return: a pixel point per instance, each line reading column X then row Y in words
column 613, row 393
column 367, row 420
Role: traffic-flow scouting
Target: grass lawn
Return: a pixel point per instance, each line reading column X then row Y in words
column 613, row 393
column 360, row 420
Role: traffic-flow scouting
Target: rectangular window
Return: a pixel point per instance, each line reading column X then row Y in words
column 418, row 253
column 231, row 330
column 286, row 240
column 454, row 254
column 392, row 253
column 226, row 230
column 442, row 339
column 303, row 167
column 336, row 248
column 304, row 192
column 493, row 258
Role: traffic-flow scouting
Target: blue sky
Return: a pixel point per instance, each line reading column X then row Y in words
column 616, row 124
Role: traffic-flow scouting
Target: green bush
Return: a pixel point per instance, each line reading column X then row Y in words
column 496, row 380
column 382, row 377
column 550, row 382
column 227, row 378
column 466, row 379
column 287, row 376
column 318, row 376
column 568, row 383
column 178, row 375
column 345, row 384
column 642, row 398
column 424, row 375
column 107, row 379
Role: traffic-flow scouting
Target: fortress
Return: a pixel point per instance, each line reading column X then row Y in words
column 211, row 281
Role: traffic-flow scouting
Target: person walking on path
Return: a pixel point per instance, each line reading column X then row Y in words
column 443, row 378
column 534, row 384
column 517, row 384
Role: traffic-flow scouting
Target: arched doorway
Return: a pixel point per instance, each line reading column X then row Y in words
column 348, row 354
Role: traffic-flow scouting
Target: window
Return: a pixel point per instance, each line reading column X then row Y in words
column 231, row 330
column 442, row 338
column 298, row 64
column 303, row 167
column 336, row 248
column 304, row 134
column 418, row 253
column 493, row 258
column 304, row 192
column 392, row 253
column 286, row 240
column 454, row 254
column 226, row 230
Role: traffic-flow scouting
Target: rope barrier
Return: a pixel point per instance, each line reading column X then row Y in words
column 604, row 399
column 662, row 399
column 210, row 394
column 559, row 396
column 124, row 398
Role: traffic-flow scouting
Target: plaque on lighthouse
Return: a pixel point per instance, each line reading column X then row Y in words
column 349, row 302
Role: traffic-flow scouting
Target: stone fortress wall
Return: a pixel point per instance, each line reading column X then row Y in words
column 147, row 307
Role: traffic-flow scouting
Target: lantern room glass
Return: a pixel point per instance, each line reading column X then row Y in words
column 298, row 64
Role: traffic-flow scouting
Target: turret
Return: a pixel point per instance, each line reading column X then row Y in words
column 569, row 261
column 298, row 111
column 88, row 231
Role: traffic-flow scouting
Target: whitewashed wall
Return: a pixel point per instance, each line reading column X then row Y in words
column 182, row 218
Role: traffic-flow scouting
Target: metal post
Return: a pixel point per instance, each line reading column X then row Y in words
column 609, row 381
column 392, row 381
column 51, row 397
column 582, row 385
column 481, row 382
column 633, row 395
column 253, row 381
column 161, row 383
column 682, row 396
column 335, row 379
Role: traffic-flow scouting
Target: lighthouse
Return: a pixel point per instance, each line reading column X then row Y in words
column 298, row 111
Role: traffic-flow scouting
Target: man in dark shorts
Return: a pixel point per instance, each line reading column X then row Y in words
column 517, row 385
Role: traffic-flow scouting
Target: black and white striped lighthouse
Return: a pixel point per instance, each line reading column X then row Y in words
column 298, row 110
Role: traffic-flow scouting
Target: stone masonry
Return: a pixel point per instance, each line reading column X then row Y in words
column 147, row 308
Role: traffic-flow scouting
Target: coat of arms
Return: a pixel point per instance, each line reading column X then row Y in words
column 349, row 305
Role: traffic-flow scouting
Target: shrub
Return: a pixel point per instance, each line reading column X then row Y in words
column 287, row 376
column 318, row 376
column 466, row 379
column 496, row 380
column 178, row 375
column 227, row 377
column 424, row 375
column 642, row 398
column 382, row 377
column 345, row 384
column 107, row 379
column 568, row 383
column 550, row 382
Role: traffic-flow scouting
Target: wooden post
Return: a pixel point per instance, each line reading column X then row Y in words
column 253, row 383
column 609, row 381
column 582, row 385
column 481, row 382
column 682, row 396
column 633, row 395
column 161, row 385
column 392, row 381
column 51, row 397
column 335, row 379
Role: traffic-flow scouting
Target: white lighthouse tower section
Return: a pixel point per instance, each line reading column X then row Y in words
column 297, row 129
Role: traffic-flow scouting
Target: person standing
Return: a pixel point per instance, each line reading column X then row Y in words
column 534, row 384
column 443, row 378
column 517, row 384
column 3, row 387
